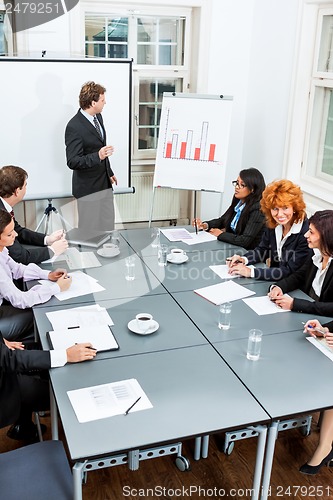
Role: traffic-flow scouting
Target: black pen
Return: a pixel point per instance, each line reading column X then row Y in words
column 196, row 226
column 129, row 409
column 88, row 347
column 72, row 327
column 235, row 262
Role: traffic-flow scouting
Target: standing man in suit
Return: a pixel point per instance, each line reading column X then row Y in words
column 24, row 385
column 13, row 186
column 88, row 155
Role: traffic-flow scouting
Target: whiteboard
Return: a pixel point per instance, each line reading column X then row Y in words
column 193, row 141
column 39, row 97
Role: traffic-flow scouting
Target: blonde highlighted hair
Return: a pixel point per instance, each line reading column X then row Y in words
column 282, row 193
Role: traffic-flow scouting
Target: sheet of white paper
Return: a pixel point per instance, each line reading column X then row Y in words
column 263, row 305
column 76, row 259
column 176, row 234
column 224, row 292
column 201, row 237
column 82, row 284
column 100, row 337
column 222, row 271
column 107, row 400
column 80, row 316
column 319, row 343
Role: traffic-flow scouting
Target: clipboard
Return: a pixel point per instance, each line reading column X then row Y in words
column 100, row 337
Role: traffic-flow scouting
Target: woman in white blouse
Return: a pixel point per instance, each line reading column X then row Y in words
column 16, row 318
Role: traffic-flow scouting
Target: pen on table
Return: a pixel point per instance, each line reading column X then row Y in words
column 229, row 259
column 196, row 226
column 128, row 409
column 71, row 327
column 315, row 329
column 88, row 346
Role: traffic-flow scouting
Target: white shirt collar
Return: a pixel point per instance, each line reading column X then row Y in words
column 6, row 205
column 87, row 115
column 317, row 258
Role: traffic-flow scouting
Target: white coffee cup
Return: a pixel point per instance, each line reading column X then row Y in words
column 110, row 249
column 144, row 321
column 177, row 254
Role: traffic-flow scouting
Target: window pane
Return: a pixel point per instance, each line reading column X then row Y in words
column 100, row 30
column 325, row 62
column 3, row 41
column 150, row 103
column 320, row 160
column 160, row 41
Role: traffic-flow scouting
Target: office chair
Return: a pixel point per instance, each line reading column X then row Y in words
column 36, row 472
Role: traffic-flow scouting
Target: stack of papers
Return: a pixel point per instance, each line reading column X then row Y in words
column 222, row 271
column 103, row 401
column 76, row 259
column 224, row 292
column 322, row 345
column 263, row 305
column 82, row 284
column 93, row 315
column 100, row 337
column 176, row 234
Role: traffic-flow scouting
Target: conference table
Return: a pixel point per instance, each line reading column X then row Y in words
column 182, row 364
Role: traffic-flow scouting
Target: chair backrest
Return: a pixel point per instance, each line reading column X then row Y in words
column 38, row 471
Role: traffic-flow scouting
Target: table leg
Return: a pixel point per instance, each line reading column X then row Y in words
column 77, row 480
column 205, row 444
column 54, row 416
column 197, row 448
column 272, row 433
column 262, row 433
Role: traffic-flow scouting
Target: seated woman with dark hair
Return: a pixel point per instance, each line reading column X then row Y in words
column 243, row 223
column 16, row 318
column 283, row 243
column 315, row 277
column 324, row 451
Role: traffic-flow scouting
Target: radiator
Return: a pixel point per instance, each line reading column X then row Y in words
column 136, row 207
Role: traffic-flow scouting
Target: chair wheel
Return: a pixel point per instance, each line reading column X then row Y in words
column 182, row 463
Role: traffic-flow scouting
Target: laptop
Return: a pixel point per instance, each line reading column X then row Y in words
column 91, row 239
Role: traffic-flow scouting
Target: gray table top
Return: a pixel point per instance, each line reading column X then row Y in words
column 291, row 377
column 175, row 328
column 205, row 315
column 192, row 390
column 140, row 240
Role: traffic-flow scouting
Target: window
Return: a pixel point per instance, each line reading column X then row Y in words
column 159, row 48
column 319, row 157
column 6, row 36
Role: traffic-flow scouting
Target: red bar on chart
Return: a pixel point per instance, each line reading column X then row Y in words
column 211, row 154
column 182, row 149
column 197, row 153
column 168, row 150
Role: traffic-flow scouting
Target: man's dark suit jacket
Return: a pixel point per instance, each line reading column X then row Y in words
column 11, row 363
column 90, row 174
column 303, row 279
column 27, row 237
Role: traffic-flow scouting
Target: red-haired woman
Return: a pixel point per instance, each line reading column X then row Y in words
column 283, row 242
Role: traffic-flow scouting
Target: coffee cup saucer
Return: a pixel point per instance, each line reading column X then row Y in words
column 102, row 253
column 133, row 326
column 176, row 261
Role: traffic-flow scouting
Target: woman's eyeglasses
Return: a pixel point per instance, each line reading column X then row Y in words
column 239, row 185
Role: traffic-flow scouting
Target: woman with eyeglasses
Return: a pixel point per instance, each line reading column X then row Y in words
column 283, row 245
column 242, row 224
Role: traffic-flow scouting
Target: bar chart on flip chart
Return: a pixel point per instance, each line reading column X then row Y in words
column 193, row 142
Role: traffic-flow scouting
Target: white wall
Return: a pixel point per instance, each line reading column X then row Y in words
column 250, row 55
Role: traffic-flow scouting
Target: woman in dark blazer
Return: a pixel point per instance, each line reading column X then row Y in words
column 282, row 245
column 315, row 277
column 24, row 385
column 243, row 223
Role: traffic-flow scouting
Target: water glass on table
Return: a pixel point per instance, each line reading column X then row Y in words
column 224, row 315
column 254, row 344
column 130, row 268
column 162, row 254
column 155, row 237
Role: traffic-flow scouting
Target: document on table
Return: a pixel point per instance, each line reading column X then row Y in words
column 100, row 337
column 263, row 305
column 201, row 237
column 108, row 400
column 224, row 292
column 321, row 344
column 93, row 315
column 82, row 284
column 222, row 270
column 176, row 234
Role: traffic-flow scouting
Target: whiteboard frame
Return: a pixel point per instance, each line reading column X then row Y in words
column 29, row 146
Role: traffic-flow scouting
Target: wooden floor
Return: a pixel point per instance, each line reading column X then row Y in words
column 230, row 474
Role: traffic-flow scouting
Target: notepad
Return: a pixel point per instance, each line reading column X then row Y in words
column 100, row 337
column 224, row 292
